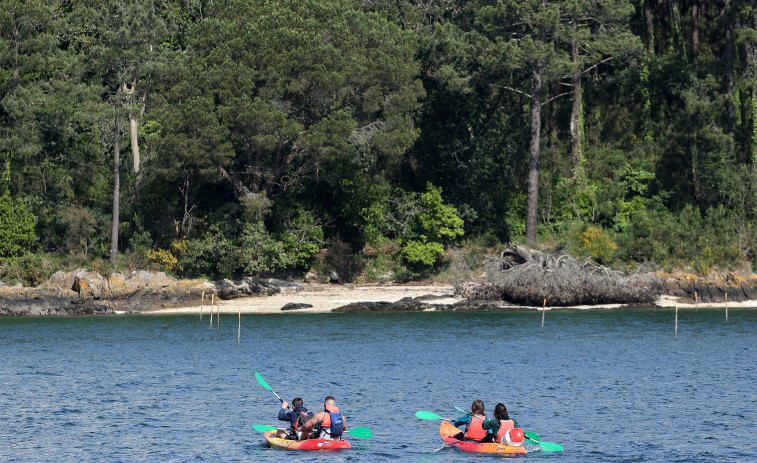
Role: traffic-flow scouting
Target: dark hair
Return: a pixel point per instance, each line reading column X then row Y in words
column 297, row 402
column 500, row 412
column 328, row 397
column 477, row 407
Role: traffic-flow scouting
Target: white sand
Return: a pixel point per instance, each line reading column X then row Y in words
column 325, row 298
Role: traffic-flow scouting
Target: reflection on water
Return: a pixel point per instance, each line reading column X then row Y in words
column 608, row 386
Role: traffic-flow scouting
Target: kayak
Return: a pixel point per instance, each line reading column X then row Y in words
column 449, row 432
column 309, row 444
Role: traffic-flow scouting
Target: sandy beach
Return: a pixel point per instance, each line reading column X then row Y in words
column 324, row 298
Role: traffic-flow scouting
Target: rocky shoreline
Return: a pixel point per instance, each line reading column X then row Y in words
column 82, row 292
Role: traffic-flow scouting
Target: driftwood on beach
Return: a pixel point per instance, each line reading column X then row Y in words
column 525, row 276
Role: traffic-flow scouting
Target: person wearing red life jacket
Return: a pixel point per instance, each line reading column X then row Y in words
column 296, row 417
column 504, row 429
column 328, row 424
column 474, row 422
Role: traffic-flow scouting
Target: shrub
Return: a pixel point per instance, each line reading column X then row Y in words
column 16, row 227
column 420, row 254
column 592, row 241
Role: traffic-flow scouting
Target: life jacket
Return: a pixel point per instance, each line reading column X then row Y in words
column 303, row 417
column 333, row 422
column 504, row 426
column 475, row 430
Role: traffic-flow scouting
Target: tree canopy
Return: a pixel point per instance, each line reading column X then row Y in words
column 276, row 136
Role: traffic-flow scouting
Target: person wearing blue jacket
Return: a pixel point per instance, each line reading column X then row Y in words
column 296, row 417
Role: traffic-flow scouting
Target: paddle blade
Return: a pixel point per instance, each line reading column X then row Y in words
column 533, row 436
column 427, row 415
column 361, row 433
column 550, row 447
column 263, row 428
column 262, row 381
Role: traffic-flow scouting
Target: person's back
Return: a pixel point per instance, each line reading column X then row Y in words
column 474, row 420
column 296, row 418
column 327, row 424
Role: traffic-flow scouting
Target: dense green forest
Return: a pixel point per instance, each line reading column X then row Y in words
column 376, row 138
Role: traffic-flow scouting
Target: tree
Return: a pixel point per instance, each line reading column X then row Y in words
column 125, row 43
column 301, row 84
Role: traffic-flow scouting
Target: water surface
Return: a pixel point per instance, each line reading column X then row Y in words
column 607, row 385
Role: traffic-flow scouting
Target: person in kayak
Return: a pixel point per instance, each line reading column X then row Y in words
column 328, row 424
column 297, row 417
column 502, row 428
column 474, row 421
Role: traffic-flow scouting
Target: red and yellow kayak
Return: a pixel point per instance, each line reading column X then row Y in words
column 309, row 444
column 449, row 432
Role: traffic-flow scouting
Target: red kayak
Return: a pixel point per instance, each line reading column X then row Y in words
column 309, row 444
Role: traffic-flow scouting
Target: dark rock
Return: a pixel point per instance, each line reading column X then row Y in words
column 251, row 286
column 294, row 306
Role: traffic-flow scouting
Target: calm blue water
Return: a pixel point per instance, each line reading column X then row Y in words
column 608, row 386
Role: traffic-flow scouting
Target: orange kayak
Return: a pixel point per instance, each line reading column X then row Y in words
column 309, row 444
column 448, row 433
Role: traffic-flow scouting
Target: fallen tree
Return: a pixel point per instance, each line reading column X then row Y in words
column 525, row 276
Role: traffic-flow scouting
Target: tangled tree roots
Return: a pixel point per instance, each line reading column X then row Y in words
column 525, row 276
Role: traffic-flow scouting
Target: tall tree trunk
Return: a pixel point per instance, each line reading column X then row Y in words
column 728, row 55
column 575, row 115
column 553, row 132
column 134, row 142
column 532, row 201
column 650, row 26
column 695, row 27
column 116, row 189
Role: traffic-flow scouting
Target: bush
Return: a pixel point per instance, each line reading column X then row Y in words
column 594, row 242
column 16, row 227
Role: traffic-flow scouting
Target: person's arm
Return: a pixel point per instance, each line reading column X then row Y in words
column 465, row 419
column 312, row 421
column 491, row 425
column 515, row 423
column 286, row 415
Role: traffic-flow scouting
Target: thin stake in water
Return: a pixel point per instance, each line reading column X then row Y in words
column 239, row 327
column 218, row 317
column 543, row 308
column 676, row 331
column 212, row 298
column 726, row 306
column 202, row 302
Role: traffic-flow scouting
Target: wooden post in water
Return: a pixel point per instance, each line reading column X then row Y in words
column 239, row 327
column 202, row 302
column 212, row 299
column 676, row 335
column 543, row 308
column 696, row 300
column 218, row 317
column 726, row 306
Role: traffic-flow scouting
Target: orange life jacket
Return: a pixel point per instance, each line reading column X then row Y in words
column 475, row 430
column 326, row 421
column 504, row 426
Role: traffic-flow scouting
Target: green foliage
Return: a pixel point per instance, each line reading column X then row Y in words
column 421, row 253
column 593, row 242
column 16, row 227
column 440, row 221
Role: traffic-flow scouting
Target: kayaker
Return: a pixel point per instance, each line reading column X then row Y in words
column 502, row 427
column 297, row 417
column 474, row 421
column 328, row 424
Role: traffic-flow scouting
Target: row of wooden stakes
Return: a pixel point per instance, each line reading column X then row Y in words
column 218, row 315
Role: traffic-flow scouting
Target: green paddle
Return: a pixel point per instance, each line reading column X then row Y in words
column 424, row 415
column 360, row 432
column 265, row 385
